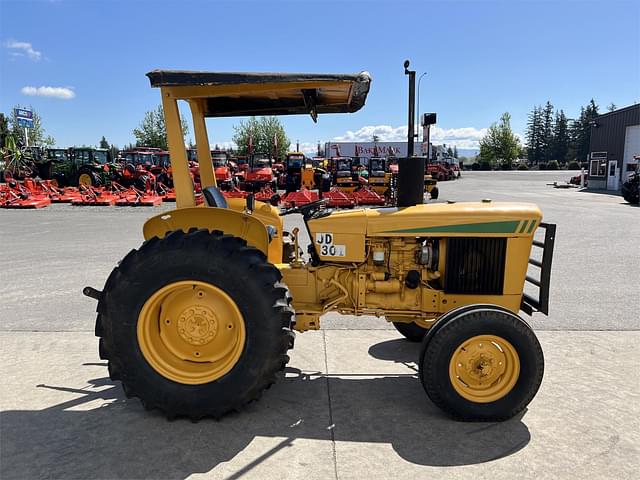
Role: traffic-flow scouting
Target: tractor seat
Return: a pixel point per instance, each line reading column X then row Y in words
column 214, row 198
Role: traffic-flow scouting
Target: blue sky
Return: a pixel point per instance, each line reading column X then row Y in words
column 481, row 58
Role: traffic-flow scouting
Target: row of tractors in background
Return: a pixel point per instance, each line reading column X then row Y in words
column 142, row 177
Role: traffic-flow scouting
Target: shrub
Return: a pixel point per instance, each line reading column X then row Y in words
column 505, row 166
column 485, row 166
column 542, row 166
column 573, row 165
column 523, row 166
column 475, row 166
column 552, row 165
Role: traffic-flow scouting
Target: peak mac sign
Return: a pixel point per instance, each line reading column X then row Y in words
column 24, row 117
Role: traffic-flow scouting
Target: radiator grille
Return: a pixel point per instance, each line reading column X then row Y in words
column 475, row 265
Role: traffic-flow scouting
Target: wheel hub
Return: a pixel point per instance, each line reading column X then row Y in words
column 484, row 368
column 191, row 332
column 198, row 325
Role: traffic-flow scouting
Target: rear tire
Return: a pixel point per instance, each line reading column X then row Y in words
column 88, row 178
column 434, row 193
column 502, row 395
column 223, row 262
column 411, row 331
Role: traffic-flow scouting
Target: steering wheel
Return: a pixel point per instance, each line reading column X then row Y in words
column 307, row 210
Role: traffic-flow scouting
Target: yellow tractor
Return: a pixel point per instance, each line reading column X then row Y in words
column 379, row 176
column 197, row 321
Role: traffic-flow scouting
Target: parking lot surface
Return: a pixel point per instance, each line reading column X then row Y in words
column 350, row 405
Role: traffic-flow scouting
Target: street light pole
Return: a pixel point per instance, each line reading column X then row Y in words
column 418, row 110
column 412, row 106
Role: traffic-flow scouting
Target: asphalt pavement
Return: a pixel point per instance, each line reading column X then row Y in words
column 350, row 405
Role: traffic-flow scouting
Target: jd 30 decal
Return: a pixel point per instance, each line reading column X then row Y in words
column 327, row 248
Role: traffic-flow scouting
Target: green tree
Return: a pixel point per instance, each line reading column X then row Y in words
column 449, row 152
column 560, row 144
column 152, row 131
column 264, row 135
column 455, row 152
column 547, row 131
column 500, row 145
column 104, row 143
column 4, row 129
column 535, row 136
column 375, row 138
column 580, row 132
column 612, row 107
column 36, row 134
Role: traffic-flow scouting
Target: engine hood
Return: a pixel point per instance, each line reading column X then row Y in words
column 442, row 219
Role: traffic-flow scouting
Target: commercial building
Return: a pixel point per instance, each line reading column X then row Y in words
column 380, row 149
column 614, row 149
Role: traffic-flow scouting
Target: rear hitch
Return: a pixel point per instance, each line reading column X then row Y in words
column 92, row 293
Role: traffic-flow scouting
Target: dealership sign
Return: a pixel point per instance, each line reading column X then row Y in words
column 24, row 117
column 368, row 149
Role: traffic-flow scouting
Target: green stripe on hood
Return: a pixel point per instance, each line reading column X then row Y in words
column 489, row 227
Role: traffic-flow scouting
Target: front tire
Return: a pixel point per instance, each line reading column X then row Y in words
column 411, row 331
column 484, row 364
column 196, row 324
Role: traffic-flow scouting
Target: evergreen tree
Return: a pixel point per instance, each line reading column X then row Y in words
column 449, row 152
column 611, row 107
column 547, row 132
column 581, row 132
column 560, row 145
column 455, row 152
column 104, row 143
column 534, row 136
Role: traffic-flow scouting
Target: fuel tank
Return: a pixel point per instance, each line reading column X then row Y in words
column 341, row 235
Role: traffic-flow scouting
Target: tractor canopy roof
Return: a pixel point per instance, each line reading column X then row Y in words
column 229, row 94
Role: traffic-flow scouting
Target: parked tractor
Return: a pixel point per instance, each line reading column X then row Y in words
column 224, row 170
column 138, row 167
column 301, row 171
column 86, row 166
column 439, row 171
column 197, row 322
column 259, row 174
column 344, row 177
column 380, row 176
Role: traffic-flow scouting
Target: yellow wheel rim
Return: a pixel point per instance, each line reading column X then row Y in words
column 85, row 179
column 484, row 368
column 191, row 332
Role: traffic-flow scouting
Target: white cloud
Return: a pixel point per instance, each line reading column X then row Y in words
column 23, row 48
column 223, row 145
column 465, row 137
column 64, row 93
column 386, row 133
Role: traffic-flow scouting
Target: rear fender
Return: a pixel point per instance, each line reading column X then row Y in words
column 231, row 222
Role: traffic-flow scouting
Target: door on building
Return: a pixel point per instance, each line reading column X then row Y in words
column 612, row 175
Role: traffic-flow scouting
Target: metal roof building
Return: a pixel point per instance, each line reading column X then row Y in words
column 614, row 148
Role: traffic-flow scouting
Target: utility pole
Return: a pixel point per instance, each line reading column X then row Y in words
column 418, row 108
column 412, row 105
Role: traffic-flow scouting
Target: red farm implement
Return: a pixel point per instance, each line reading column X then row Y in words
column 301, row 197
column 16, row 195
column 337, row 198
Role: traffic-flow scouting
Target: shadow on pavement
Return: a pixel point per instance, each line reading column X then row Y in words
column 101, row 434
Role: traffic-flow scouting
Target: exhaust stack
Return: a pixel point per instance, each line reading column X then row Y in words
column 410, row 181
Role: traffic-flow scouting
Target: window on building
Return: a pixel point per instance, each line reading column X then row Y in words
column 598, row 168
